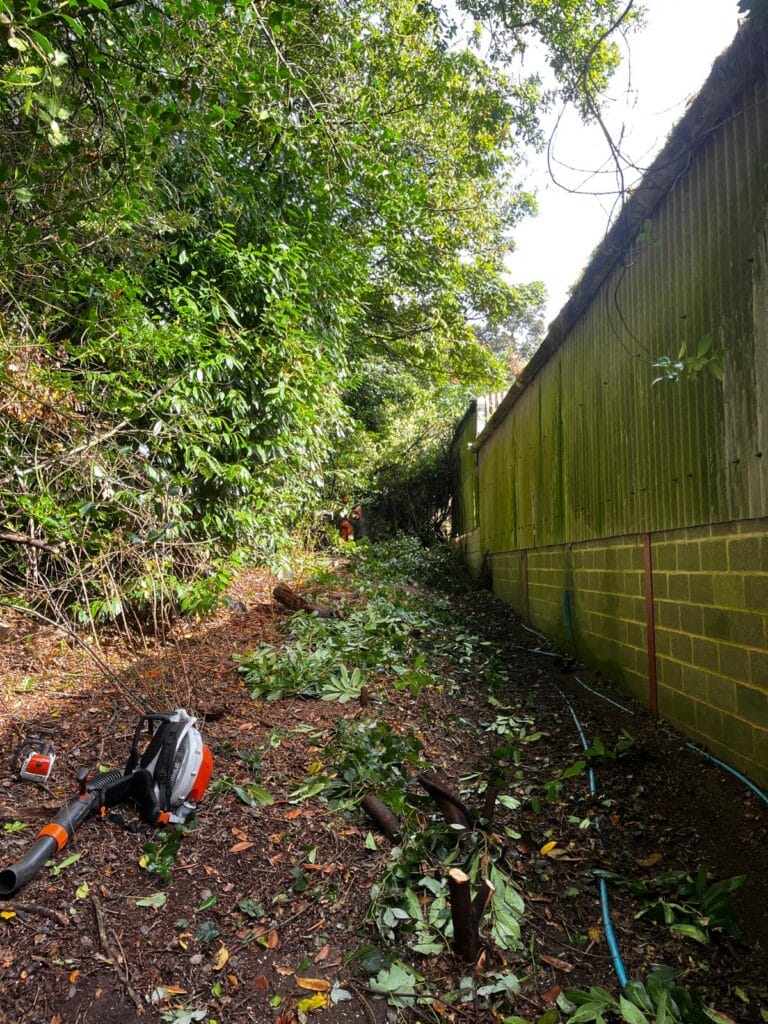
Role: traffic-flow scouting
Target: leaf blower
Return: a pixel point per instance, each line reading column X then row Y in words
column 165, row 783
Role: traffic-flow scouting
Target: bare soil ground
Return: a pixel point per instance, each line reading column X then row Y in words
column 77, row 948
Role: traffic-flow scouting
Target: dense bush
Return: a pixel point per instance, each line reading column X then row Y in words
column 225, row 226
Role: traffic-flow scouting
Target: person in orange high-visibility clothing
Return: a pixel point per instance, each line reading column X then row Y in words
column 347, row 533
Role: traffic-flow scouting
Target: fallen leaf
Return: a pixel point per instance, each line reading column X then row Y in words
column 547, row 848
column 322, row 955
column 73, row 977
column 282, row 970
column 156, row 900
column 221, row 958
column 239, row 847
column 314, row 984
column 261, row 984
column 648, row 862
column 561, row 965
column 273, row 939
column 239, row 834
column 312, row 1003
column 232, row 979
column 594, row 933
column 296, row 813
column 7, row 914
column 551, row 994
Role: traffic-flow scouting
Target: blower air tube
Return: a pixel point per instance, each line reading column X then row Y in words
column 64, row 826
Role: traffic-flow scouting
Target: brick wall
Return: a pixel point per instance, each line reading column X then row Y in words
column 710, row 622
column 711, row 601
column 508, row 571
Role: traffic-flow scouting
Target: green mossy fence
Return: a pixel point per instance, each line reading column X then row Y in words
column 627, row 518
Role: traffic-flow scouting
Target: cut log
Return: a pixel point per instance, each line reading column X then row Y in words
column 452, row 809
column 385, row 820
column 467, row 913
column 291, row 598
column 466, row 937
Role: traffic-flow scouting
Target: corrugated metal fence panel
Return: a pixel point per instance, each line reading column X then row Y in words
column 592, row 448
column 465, row 507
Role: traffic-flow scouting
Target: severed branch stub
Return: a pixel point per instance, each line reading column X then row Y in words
column 451, row 807
column 467, row 913
column 385, row 820
column 489, row 805
column 292, row 599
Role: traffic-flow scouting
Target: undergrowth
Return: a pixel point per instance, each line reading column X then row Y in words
column 398, row 640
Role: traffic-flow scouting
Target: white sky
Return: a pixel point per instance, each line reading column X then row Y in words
column 668, row 62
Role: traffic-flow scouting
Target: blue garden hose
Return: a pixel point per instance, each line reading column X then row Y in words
column 627, row 711
column 610, row 935
column 742, row 778
column 692, row 746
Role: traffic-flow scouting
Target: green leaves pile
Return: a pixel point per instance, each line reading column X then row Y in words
column 238, row 239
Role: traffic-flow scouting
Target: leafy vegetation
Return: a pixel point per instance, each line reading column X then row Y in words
column 692, row 907
column 246, row 248
column 333, row 658
column 410, row 906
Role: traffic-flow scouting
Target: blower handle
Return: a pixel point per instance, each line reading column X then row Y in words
column 104, row 790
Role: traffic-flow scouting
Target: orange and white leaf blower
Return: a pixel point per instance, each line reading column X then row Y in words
column 165, row 783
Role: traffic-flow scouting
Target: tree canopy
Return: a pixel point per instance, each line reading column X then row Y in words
column 239, row 238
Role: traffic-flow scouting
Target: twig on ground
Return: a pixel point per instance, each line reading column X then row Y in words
column 113, row 957
column 33, row 908
column 367, row 1009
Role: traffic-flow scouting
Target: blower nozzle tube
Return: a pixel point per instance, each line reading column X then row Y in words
column 55, row 836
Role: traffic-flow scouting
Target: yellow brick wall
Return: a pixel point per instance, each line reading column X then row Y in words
column 508, row 579
column 710, row 607
column 711, row 597
column 590, row 597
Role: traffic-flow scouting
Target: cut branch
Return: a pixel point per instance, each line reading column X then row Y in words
column 385, row 820
column 31, row 542
column 480, row 901
column 452, row 809
column 291, row 598
column 489, row 805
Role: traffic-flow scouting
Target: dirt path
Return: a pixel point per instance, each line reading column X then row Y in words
column 265, row 904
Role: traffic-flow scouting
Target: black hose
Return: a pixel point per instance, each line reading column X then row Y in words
column 107, row 789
